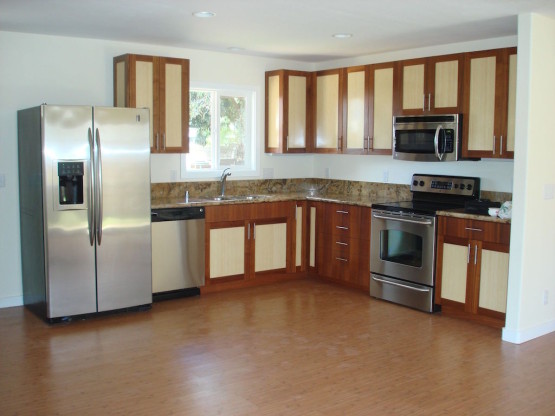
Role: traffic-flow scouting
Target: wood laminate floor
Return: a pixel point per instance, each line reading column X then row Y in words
column 295, row 348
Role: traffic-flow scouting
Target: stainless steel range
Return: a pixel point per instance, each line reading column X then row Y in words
column 403, row 238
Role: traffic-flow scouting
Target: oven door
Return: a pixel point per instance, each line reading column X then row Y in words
column 403, row 246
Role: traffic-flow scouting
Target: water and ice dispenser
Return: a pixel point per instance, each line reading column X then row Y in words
column 71, row 185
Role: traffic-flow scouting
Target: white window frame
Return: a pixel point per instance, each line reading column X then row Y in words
column 251, row 94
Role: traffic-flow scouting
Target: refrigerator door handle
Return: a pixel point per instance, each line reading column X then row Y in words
column 91, row 184
column 98, row 208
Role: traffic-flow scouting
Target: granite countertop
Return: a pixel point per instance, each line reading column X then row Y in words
column 172, row 202
column 459, row 213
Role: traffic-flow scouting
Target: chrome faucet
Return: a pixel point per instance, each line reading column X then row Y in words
column 224, row 176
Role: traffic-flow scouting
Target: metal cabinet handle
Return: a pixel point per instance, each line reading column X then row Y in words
column 473, row 229
column 429, row 101
column 248, row 231
column 475, row 253
column 164, row 140
column 341, row 228
column 341, row 259
column 157, row 141
column 342, row 212
column 468, row 254
column 500, row 145
column 493, row 151
column 254, row 231
column 341, row 243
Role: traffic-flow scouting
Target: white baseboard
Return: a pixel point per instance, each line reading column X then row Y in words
column 10, row 301
column 518, row 337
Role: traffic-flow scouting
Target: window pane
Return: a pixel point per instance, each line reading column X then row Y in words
column 200, row 130
column 233, row 132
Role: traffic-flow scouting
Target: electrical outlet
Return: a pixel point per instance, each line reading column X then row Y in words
column 545, row 297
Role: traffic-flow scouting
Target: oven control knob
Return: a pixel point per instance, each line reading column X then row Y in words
column 469, row 186
column 415, row 182
column 456, row 186
column 421, row 183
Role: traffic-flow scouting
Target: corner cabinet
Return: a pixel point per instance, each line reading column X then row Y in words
column 162, row 85
column 368, row 109
column 430, row 85
column 472, row 269
column 288, row 111
column 246, row 243
column 489, row 106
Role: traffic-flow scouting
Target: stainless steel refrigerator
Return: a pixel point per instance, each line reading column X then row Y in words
column 84, row 190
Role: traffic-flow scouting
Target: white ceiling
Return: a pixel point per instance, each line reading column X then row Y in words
column 291, row 29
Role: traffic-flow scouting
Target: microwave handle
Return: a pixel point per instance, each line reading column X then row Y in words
column 436, row 142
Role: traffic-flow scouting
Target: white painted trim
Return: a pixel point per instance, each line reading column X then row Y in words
column 10, row 301
column 518, row 337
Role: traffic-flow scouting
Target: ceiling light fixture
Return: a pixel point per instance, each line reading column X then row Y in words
column 342, row 35
column 204, row 14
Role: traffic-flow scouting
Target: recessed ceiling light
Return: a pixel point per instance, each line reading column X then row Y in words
column 342, row 35
column 204, row 14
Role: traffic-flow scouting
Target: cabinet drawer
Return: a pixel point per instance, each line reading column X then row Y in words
column 345, row 220
column 486, row 231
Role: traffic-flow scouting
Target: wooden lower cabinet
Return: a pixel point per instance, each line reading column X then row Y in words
column 341, row 240
column 472, row 269
column 249, row 242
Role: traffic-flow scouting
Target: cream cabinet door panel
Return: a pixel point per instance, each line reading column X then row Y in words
column 270, row 246
column 273, row 111
column 383, row 109
column 296, row 138
column 493, row 280
column 144, row 87
column 413, row 87
column 327, row 111
column 482, row 104
column 511, row 112
column 355, row 110
column 299, row 236
column 227, row 251
column 446, row 84
column 453, row 273
column 172, row 107
column 312, row 231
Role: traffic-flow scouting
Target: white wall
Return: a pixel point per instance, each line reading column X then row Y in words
column 57, row 70
column 532, row 261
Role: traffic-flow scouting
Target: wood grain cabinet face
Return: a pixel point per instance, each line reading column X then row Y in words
column 430, row 85
column 245, row 241
column 162, row 85
column 368, row 109
column 342, row 234
column 288, row 104
column 327, row 112
column 472, row 269
column 489, row 106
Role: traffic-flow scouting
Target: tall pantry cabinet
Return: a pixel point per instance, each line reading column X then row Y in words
column 162, row 85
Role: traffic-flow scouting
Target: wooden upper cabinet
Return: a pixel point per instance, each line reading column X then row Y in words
column 430, row 85
column 368, row 109
column 288, row 110
column 162, row 85
column 489, row 105
column 328, row 94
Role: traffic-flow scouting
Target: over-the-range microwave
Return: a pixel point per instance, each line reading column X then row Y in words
column 427, row 138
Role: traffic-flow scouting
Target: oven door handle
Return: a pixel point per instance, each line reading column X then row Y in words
column 400, row 285
column 410, row 221
column 436, row 142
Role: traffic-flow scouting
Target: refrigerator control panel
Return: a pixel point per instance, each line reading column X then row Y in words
column 70, row 184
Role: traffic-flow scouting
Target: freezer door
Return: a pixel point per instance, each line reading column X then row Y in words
column 70, row 256
column 123, row 239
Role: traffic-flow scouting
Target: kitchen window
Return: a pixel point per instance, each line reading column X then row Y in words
column 221, row 132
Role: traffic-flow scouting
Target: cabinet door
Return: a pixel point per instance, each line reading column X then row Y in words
column 227, row 250
column 328, row 109
column 300, row 232
column 509, row 147
column 494, row 272
column 445, row 83
column 274, row 108
column 356, row 111
column 381, row 108
column 297, row 123
column 174, row 105
column 270, row 245
column 454, row 272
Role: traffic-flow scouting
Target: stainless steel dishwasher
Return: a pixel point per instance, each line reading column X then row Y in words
column 177, row 252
